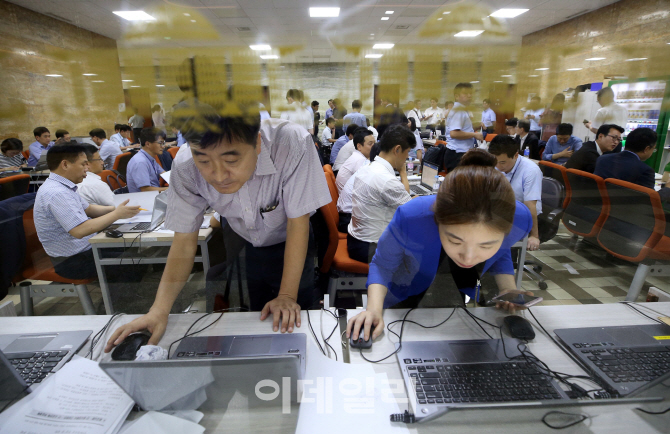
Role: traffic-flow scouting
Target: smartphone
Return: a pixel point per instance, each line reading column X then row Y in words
column 585, row 121
column 520, row 299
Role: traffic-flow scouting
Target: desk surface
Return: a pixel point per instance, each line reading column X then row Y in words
column 604, row 419
column 101, row 238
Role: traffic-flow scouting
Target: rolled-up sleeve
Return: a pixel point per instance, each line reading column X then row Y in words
column 186, row 207
column 549, row 149
column 394, row 194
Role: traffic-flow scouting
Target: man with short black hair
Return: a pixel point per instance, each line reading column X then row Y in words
column 560, row 147
column 41, row 144
column 329, row 111
column 317, row 116
column 347, row 150
column 94, row 189
column 510, row 126
column 415, row 113
column 62, row 137
column 355, row 117
column 607, row 139
column 122, row 137
column 339, row 144
column 108, row 150
column 328, row 133
column 143, row 171
column 64, row 220
column 628, row 165
column 488, row 123
column 527, row 140
column 378, row 193
column 461, row 135
column 525, row 177
column 363, row 141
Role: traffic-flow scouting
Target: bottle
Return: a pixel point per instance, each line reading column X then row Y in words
column 431, row 135
column 436, row 185
column 410, row 166
column 526, row 152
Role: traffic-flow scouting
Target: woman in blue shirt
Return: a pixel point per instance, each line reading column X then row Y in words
column 474, row 219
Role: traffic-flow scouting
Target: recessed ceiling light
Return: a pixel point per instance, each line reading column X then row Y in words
column 53, row 75
column 389, row 12
column 446, row 13
column 498, row 81
column 193, row 21
column 269, row 56
column 534, row 75
column 505, row 76
column 439, row 19
column 134, row 15
column 635, row 59
column 373, row 56
column 372, row 34
column 90, row 75
column 542, row 69
column 468, row 33
column 385, row 18
column 260, row 47
column 383, row 46
column 324, row 12
column 160, row 85
column 134, row 86
column 127, row 81
column 167, row 37
column 187, row 14
column 474, row 82
column 574, row 69
column 596, row 58
column 508, row 13
column 97, row 81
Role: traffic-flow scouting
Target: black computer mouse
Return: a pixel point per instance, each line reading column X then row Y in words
column 519, row 327
column 361, row 342
column 113, row 233
column 127, row 349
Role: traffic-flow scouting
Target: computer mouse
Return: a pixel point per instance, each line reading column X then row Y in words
column 519, row 327
column 113, row 233
column 361, row 342
column 126, row 350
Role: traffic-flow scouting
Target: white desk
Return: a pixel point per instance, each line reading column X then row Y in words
column 620, row 418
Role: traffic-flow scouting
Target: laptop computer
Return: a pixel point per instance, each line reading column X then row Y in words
column 205, row 372
column 41, row 164
column 427, row 181
column 624, row 357
column 27, row 359
column 157, row 217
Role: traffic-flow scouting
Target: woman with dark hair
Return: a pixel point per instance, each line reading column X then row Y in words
column 472, row 222
column 11, row 159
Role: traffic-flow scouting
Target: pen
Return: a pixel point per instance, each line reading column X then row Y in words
column 142, row 209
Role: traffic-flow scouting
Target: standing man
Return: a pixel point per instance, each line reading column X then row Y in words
column 136, row 122
column 433, row 114
column 533, row 115
column 296, row 113
column 42, row 143
column 355, row 117
column 416, row 114
column 143, row 171
column 461, row 135
column 329, row 112
column 488, row 123
column 609, row 113
column 607, row 138
column 266, row 181
column 561, row 146
column 317, row 116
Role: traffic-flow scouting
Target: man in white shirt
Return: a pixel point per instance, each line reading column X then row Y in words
column 328, row 133
column 93, row 189
column 373, row 129
column 609, row 113
column 433, row 114
column 488, row 117
column 363, row 141
column 416, row 113
column 344, row 201
column 378, row 193
column 295, row 112
column 533, row 115
column 346, row 151
column 461, row 135
column 108, row 150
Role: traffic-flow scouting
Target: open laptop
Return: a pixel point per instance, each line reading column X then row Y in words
column 205, row 372
column 157, row 217
column 41, row 164
column 427, row 181
column 624, row 357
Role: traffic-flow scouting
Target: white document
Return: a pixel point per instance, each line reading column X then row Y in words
column 166, row 176
column 346, row 397
column 143, row 199
column 155, row 422
column 80, row 398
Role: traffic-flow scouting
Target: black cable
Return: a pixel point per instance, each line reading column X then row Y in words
column 187, row 334
column 331, row 332
column 629, row 304
column 582, row 418
column 309, row 322
column 96, row 338
column 402, row 327
column 652, row 412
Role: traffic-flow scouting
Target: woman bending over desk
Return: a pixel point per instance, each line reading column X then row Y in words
column 472, row 222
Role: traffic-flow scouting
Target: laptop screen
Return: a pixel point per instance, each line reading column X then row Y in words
column 428, row 175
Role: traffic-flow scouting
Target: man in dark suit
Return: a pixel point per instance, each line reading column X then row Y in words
column 526, row 139
column 607, row 138
column 628, row 165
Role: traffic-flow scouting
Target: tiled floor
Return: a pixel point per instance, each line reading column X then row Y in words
column 576, row 272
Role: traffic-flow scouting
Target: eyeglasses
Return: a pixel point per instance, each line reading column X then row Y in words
column 615, row 138
column 161, row 143
column 95, row 159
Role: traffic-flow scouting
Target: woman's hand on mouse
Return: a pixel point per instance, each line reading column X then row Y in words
column 366, row 320
column 155, row 322
column 512, row 307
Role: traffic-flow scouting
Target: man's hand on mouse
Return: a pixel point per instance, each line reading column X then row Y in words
column 284, row 309
column 511, row 307
column 154, row 321
column 366, row 320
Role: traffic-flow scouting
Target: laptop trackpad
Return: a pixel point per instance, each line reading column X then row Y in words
column 29, row 343
column 630, row 336
column 470, row 352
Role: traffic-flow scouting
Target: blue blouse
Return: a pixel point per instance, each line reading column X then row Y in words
column 408, row 251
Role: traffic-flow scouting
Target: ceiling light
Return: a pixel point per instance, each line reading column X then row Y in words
column 53, row 75
column 127, row 81
column 97, row 81
column 134, row 15
column 160, row 85
column 373, row 56
column 269, row 56
column 498, row 81
column 596, row 58
column 474, row 82
column 383, row 46
column 134, row 86
column 324, row 12
column 534, row 75
column 389, row 12
column 505, row 76
column 635, row 59
column 508, row 13
column 187, row 14
column 439, row 19
column 468, row 33
column 574, row 69
column 542, row 69
column 90, row 75
column 385, row 18
column 446, row 13
column 193, row 21
column 260, row 47
column 372, row 34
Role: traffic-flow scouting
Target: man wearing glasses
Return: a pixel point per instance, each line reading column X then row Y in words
column 143, row 171
column 93, row 189
column 608, row 137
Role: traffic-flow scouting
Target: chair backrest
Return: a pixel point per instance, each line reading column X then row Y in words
column 559, row 173
column 173, row 151
column 112, row 179
column 331, row 216
column 588, row 204
column 26, row 154
column 635, row 221
column 490, row 137
column 121, row 162
column 553, row 195
column 158, row 160
column 332, row 186
column 34, row 249
column 14, row 185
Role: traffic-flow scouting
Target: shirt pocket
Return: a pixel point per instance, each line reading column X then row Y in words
column 275, row 218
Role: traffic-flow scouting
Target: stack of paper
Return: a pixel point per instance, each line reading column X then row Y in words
column 79, row 398
column 155, row 422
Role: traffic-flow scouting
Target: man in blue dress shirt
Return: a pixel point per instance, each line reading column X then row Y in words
column 143, row 171
column 460, row 134
column 42, row 143
column 560, row 147
column 342, row 141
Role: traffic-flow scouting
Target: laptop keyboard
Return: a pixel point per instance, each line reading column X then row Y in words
column 34, row 367
column 144, row 226
column 417, row 189
column 625, row 365
column 438, row 383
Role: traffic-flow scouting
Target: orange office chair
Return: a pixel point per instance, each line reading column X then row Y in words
column 14, row 185
column 559, row 173
column 589, row 203
column 26, row 154
column 121, row 163
column 113, row 179
column 490, row 137
column 635, row 230
column 173, row 151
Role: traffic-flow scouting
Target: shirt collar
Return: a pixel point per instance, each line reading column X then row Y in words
column 264, row 164
column 600, row 151
column 93, row 176
column 516, row 166
column 638, row 157
column 386, row 164
column 66, row 182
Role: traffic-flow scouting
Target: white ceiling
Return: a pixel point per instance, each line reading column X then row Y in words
column 287, row 22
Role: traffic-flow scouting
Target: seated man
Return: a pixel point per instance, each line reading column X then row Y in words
column 561, row 146
column 526, row 139
column 363, row 139
column 62, row 137
column 525, row 177
column 108, row 150
column 328, row 133
column 607, row 139
column 510, row 126
column 143, row 171
column 64, row 220
column 42, row 143
column 122, row 137
column 378, row 193
column 93, row 189
column 344, row 201
column 628, row 165
column 339, row 144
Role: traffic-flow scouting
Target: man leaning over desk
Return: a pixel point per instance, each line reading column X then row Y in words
column 266, row 180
